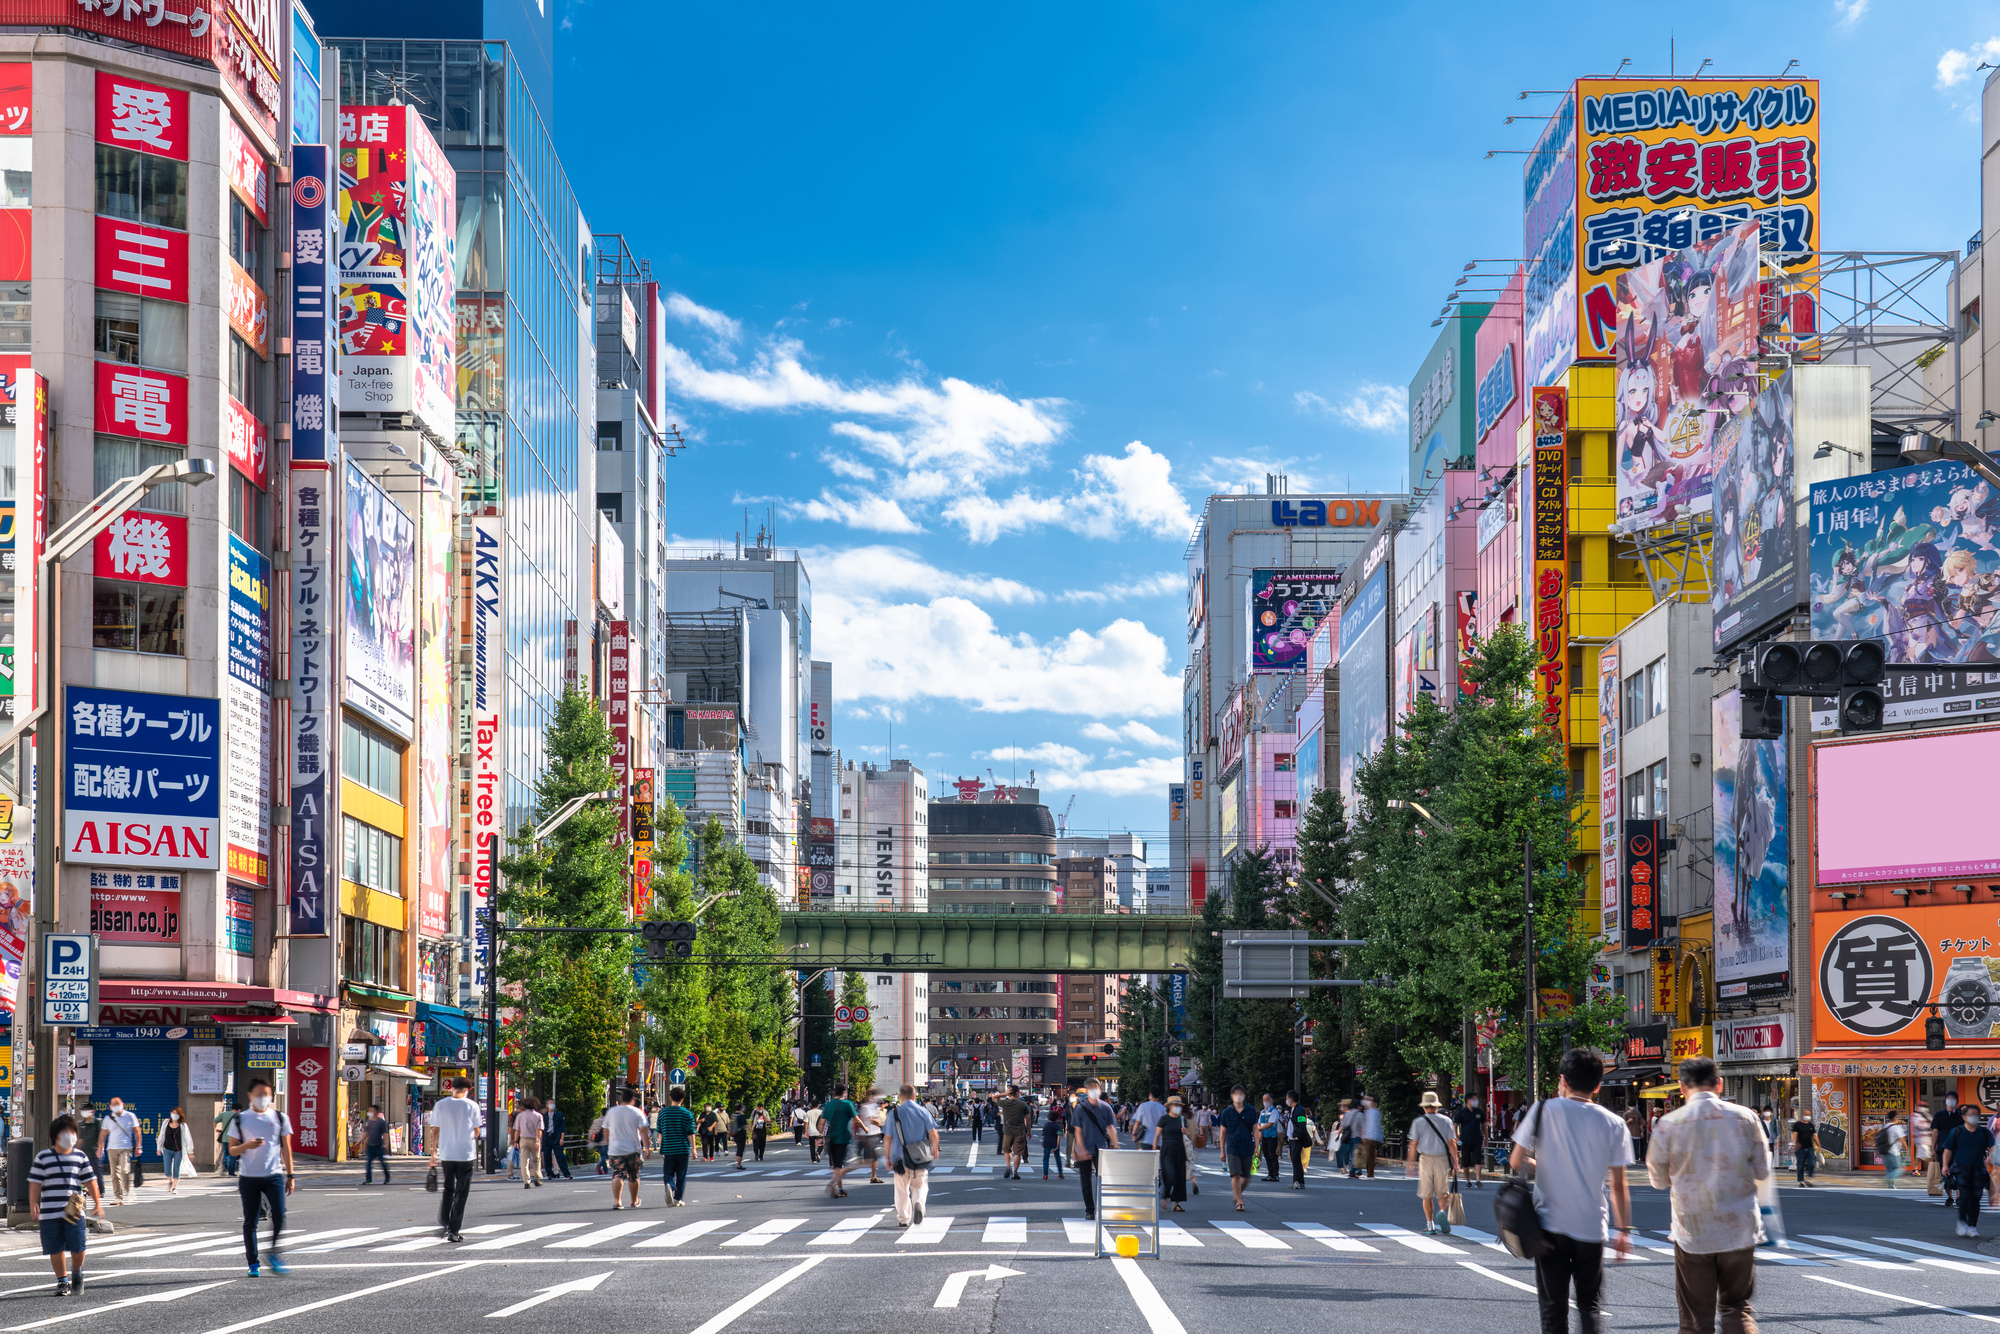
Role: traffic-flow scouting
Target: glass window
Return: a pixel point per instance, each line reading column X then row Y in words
column 372, row 954
column 246, row 238
column 116, row 456
column 16, row 171
column 372, row 857
column 141, row 188
column 141, row 618
column 142, row 332
column 371, row 759
column 16, row 318
column 1656, row 687
column 249, row 511
column 246, row 378
column 1645, row 694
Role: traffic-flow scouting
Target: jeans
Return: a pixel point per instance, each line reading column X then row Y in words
column 456, row 1182
column 1971, row 1189
column 1570, row 1261
column 1343, row 1157
column 674, row 1167
column 555, row 1163
column 1299, row 1148
column 1086, row 1173
column 913, row 1192
column 256, row 1192
column 1805, row 1164
column 170, row 1162
column 1052, row 1151
column 1272, row 1145
column 1707, row 1284
column 371, row 1155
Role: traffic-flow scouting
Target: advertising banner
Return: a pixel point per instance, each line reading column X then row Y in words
column 618, row 673
column 17, row 120
column 315, row 278
column 144, row 779
column 380, row 642
column 1610, row 808
column 397, row 273
column 248, row 705
column 1766, row 1037
column 149, row 548
column 1904, row 806
column 1687, row 362
column 1549, row 233
column 244, row 167
column 1640, row 859
column 313, row 739
column 1752, row 815
column 437, row 750
column 1549, row 549
column 135, row 907
column 238, row 918
column 1364, row 680
column 820, row 725
column 1878, row 970
column 141, row 404
column 642, row 840
column 141, row 260
column 140, row 116
column 1664, row 982
column 249, row 443
column 312, row 1100
column 1757, row 567
column 1285, row 607
column 1662, row 167
column 488, row 811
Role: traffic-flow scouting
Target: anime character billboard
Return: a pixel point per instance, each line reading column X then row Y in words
column 381, row 585
column 1687, row 362
column 1286, row 606
column 1911, row 557
column 1752, row 858
column 1756, row 536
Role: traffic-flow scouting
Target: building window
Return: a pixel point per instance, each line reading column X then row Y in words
column 116, row 456
column 611, row 504
column 139, row 618
column 373, row 954
column 1284, row 810
column 1968, row 319
column 246, row 239
column 371, row 759
column 249, row 511
column 140, row 331
column 16, row 313
column 246, row 382
column 1646, row 793
column 948, row 858
column 372, row 858
column 141, row 188
column 1645, row 694
column 17, row 172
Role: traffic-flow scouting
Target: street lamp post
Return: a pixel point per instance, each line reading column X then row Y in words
column 69, row 540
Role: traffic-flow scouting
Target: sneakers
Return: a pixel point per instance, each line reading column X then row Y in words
column 1444, row 1227
column 76, row 1283
column 1430, row 1229
column 917, row 1212
column 62, row 1287
column 279, row 1267
column 254, row 1272
column 1960, row 1225
column 453, row 1236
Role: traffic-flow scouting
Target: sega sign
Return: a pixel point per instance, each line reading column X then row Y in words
column 1326, row 514
column 1496, row 393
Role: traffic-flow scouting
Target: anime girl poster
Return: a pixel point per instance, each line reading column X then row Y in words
column 1756, row 537
column 1752, row 858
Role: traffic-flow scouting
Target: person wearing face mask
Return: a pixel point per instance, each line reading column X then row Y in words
column 58, row 1183
column 173, row 1149
column 90, row 1137
column 262, row 1138
column 1239, row 1141
column 121, row 1141
column 1095, row 1128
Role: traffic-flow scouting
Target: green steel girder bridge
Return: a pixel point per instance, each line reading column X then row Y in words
column 976, row 943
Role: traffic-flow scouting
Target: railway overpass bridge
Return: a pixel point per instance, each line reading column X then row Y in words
column 923, row 942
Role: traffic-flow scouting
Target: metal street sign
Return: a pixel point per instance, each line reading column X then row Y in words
column 69, row 980
column 678, row 1077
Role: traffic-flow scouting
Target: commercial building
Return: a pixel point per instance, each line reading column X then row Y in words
column 1129, row 868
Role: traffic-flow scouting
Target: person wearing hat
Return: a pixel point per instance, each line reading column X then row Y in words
column 1434, row 1156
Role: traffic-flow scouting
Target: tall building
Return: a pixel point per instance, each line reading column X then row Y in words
column 994, row 856
column 1127, row 855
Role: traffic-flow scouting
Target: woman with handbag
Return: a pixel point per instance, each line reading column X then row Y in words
column 913, row 1147
column 173, row 1149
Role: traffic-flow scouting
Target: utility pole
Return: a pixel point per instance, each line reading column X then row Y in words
column 1528, row 1019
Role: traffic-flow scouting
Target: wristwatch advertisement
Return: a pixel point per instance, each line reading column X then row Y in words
column 1969, row 999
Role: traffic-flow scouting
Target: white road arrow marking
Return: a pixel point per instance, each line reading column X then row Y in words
column 171, row 1295
column 954, row 1287
column 551, row 1293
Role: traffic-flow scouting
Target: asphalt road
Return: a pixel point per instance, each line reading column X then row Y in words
column 768, row 1250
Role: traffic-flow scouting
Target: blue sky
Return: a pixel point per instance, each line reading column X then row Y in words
column 983, row 302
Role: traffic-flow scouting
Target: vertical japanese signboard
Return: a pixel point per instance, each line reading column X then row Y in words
column 642, row 840
column 17, row 122
column 1608, row 807
column 1752, row 822
column 434, row 716
column 618, row 670
column 313, row 739
column 245, row 693
column 312, row 1100
column 1640, row 858
column 1549, row 407
column 488, row 811
column 314, row 277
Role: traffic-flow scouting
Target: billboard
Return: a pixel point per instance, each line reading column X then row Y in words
column 1752, row 821
column 1286, row 606
column 1687, row 362
column 1610, row 807
column 1662, row 167
column 1639, row 858
column 315, row 280
column 397, row 319
column 380, row 641
column 313, row 737
column 820, row 723
column 143, row 779
column 248, row 705
column 1549, row 552
column 488, row 812
column 1904, row 806
column 1757, row 568
column 1879, row 971
column 1364, row 677
column 1548, row 212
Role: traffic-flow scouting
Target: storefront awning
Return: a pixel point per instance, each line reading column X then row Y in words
column 442, row 1033
column 380, row 995
column 194, row 994
column 1835, row 1064
column 397, row 1072
column 1631, row 1075
column 256, row 1020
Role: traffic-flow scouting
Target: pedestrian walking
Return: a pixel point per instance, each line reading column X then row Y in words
column 1710, row 1155
column 225, row 1161
column 1351, row 1121
column 451, row 1133
column 1432, row 1157
column 705, row 1127
column 1203, row 1121
column 1371, row 1133
column 1270, row 1136
column 61, row 1178
column 868, row 1134
column 1576, row 1147
column 838, row 1113
column 676, row 1127
column 1920, row 1143
column 173, row 1149
column 1013, row 1132
column 1636, row 1127
column 555, row 1158
column 1964, row 1152
column 760, row 1130
column 1471, row 1122
column 1054, row 1126
column 262, row 1138
column 121, row 1142
column 1768, row 1122
column 625, row 1133
column 527, row 1132
column 1896, row 1142
column 798, row 1125
column 739, row 1132
column 912, row 1147
column 374, row 1146
column 1237, row 1146
column 1804, row 1145
column 1094, row 1128
column 1145, row 1117
column 1298, row 1137
column 815, row 1131
column 1170, row 1138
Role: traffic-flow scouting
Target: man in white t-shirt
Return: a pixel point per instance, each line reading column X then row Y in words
column 625, row 1140
column 452, row 1129
column 1576, row 1147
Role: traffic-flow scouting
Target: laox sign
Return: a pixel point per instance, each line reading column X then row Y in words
column 1326, row 514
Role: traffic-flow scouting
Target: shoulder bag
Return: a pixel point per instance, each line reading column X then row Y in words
column 912, row 1154
column 1514, row 1208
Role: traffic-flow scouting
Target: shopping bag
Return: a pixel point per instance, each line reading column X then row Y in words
column 1934, row 1179
column 431, row 1181
column 1454, row 1206
column 187, row 1166
column 1768, row 1214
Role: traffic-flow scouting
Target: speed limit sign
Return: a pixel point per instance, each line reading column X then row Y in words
column 861, row 1014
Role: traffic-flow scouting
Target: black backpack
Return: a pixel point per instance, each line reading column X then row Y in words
column 1514, row 1209
column 1882, row 1141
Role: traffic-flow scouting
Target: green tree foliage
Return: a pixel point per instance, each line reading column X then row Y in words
column 857, row 1049
column 1142, row 1044
column 1326, row 863
column 816, row 1026
column 1246, row 1042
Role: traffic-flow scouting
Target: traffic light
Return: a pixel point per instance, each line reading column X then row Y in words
column 1110, row 1049
column 1763, row 717
column 1933, row 1034
column 1850, row 669
column 660, row 937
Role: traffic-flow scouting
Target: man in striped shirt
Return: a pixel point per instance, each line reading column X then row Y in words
column 676, row 1127
column 59, row 1175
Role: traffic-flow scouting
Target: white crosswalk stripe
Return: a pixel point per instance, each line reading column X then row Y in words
column 1872, row 1249
column 1006, row 1231
column 1954, row 1252
column 425, row 1243
column 932, row 1229
column 765, row 1232
column 848, row 1230
column 1416, row 1241
column 1255, row 1238
column 507, row 1239
column 681, row 1236
column 603, row 1234
column 1080, row 1231
column 1329, row 1238
column 368, row 1239
column 1847, row 1257
column 1173, row 1234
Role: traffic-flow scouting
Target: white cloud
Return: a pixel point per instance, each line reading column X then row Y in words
column 1371, row 407
column 1131, row 731
column 840, row 465
column 1169, row 584
column 1062, row 767
column 714, row 321
column 1955, row 67
column 950, row 649
column 877, row 571
column 876, row 513
column 1227, row 475
column 1847, row 13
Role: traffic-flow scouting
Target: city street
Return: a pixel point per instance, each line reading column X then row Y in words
column 765, row 1249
